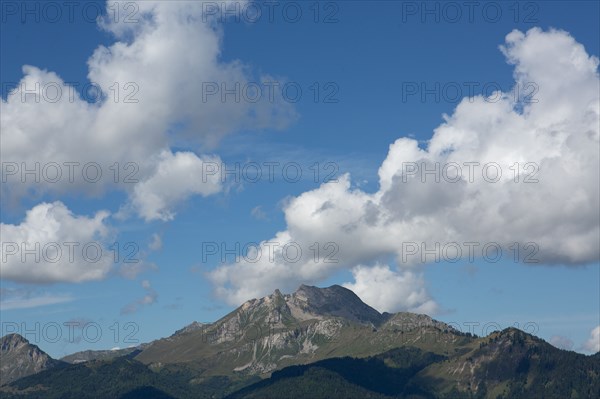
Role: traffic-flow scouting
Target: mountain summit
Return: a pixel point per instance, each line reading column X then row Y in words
column 334, row 301
column 20, row 358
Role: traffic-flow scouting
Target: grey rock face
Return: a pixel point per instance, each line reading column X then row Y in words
column 19, row 358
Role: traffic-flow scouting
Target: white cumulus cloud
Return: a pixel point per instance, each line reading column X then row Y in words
column 548, row 203
column 177, row 177
column 388, row 291
column 153, row 78
column 54, row 245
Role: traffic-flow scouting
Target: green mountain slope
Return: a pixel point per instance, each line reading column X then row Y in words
column 316, row 343
column 514, row 364
column 116, row 378
column 383, row 376
column 507, row 364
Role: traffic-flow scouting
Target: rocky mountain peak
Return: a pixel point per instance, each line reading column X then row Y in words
column 334, row 301
column 12, row 341
column 194, row 326
column 19, row 358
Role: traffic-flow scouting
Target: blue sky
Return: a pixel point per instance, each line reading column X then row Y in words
column 362, row 62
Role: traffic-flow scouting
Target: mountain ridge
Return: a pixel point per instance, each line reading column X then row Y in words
column 297, row 332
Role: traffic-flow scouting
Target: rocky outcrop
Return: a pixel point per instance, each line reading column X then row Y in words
column 19, row 358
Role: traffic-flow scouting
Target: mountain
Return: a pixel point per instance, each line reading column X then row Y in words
column 506, row 364
column 311, row 324
column 382, row 376
column 89, row 355
column 321, row 342
column 511, row 363
column 20, row 359
column 114, row 378
column 334, row 301
column 191, row 327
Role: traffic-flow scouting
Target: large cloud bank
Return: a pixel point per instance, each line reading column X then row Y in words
column 548, row 203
